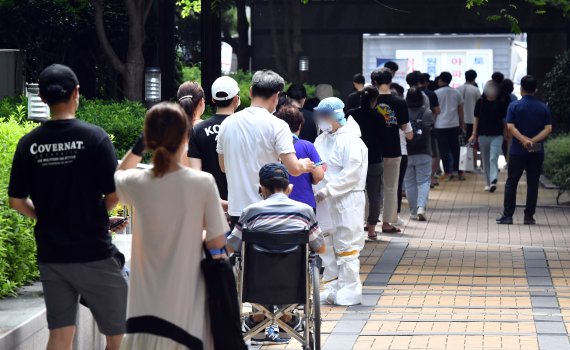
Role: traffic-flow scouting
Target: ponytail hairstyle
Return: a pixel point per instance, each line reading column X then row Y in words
column 368, row 95
column 165, row 126
column 189, row 95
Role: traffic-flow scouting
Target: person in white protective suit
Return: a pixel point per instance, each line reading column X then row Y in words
column 340, row 201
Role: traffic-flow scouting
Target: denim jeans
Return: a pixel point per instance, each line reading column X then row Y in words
column 490, row 147
column 417, row 180
column 448, row 143
column 532, row 164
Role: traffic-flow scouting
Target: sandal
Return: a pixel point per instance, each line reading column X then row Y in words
column 393, row 229
column 373, row 237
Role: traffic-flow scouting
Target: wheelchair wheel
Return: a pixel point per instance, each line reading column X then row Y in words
column 315, row 335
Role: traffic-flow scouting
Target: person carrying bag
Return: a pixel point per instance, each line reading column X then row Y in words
column 222, row 300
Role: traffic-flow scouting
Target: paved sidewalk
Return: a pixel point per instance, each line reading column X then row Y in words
column 459, row 281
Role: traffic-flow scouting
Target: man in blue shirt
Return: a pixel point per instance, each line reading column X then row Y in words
column 529, row 122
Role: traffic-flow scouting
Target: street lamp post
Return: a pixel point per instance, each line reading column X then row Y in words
column 303, row 68
column 37, row 110
column 152, row 86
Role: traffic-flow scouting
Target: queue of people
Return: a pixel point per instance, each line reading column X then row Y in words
column 250, row 169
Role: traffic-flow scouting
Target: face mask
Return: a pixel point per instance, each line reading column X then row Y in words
column 491, row 92
column 324, row 126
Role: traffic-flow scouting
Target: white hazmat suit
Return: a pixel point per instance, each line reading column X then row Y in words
column 341, row 213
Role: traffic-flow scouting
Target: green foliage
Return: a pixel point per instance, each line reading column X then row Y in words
column 14, row 108
column 187, row 7
column 17, row 247
column 191, row 74
column 556, row 90
column 123, row 120
column 557, row 160
column 508, row 13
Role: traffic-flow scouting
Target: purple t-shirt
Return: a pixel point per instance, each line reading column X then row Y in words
column 302, row 184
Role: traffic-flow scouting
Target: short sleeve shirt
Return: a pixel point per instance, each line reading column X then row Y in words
column 248, row 140
column 449, row 101
column 171, row 214
column 303, row 184
column 394, row 110
column 470, row 94
column 203, row 142
column 530, row 116
column 66, row 167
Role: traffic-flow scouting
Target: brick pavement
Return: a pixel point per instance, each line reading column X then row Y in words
column 460, row 281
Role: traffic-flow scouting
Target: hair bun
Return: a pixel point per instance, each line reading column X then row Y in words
column 56, row 90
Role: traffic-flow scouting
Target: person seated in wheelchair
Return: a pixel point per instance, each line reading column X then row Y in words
column 276, row 214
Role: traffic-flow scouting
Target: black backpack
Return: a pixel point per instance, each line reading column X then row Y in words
column 417, row 126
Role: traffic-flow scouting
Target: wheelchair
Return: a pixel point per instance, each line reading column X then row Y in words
column 291, row 284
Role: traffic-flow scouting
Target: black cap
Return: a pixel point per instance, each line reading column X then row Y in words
column 57, row 83
column 273, row 170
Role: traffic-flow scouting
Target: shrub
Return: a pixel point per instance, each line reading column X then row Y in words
column 557, row 161
column 123, row 121
column 556, row 89
column 17, row 246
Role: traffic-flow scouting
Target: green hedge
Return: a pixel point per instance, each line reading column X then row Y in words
column 17, row 246
column 557, row 160
column 123, row 121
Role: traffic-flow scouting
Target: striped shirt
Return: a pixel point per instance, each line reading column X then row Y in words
column 278, row 214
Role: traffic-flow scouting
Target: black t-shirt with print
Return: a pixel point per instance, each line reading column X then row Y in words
column 66, row 167
column 394, row 109
column 203, row 141
column 372, row 127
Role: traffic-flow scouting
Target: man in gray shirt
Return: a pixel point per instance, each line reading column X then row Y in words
column 448, row 125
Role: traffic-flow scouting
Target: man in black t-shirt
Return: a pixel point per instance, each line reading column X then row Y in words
column 395, row 112
column 353, row 100
column 202, row 148
column 298, row 95
column 62, row 176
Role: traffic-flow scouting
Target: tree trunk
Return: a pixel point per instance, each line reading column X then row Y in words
column 286, row 45
column 243, row 50
column 132, row 70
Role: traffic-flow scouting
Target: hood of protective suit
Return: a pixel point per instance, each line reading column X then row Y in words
column 351, row 127
column 346, row 158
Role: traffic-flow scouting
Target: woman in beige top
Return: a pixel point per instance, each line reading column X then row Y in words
column 173, row 204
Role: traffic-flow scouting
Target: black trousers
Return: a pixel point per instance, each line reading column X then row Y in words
column 448, row 144
column 532, row 164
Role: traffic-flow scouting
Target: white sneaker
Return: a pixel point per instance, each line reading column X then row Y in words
column 422, row 214
column 487, row 188
column 400, row 222
column 414, row 217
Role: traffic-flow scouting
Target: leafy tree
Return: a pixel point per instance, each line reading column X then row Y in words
column 508, row 13
column 46, row 31
column 556, row 89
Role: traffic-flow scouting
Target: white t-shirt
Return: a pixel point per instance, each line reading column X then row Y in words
column 449, row 101
column 249, row 139
column 403, row 143
column 166, row 282
column 471, row 95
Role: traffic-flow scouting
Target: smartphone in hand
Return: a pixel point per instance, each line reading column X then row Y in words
column 118, row 223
